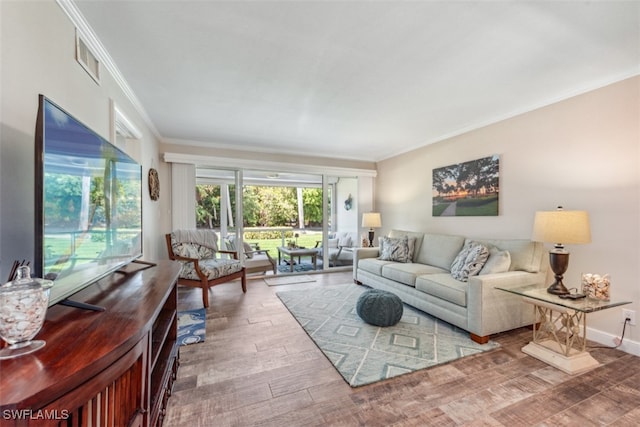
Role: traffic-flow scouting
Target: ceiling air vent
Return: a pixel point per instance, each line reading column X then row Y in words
column 87, row 59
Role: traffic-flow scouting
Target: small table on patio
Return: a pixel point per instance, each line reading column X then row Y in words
column 561, row 337
column 297, row 252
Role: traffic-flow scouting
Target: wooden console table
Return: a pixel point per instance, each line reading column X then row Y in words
column 111, row 368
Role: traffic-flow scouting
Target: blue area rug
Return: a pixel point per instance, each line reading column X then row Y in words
column 297, row 267
column 364, row 354
column 191, row 326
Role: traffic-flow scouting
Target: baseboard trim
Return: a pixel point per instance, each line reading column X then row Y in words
column 607, row 339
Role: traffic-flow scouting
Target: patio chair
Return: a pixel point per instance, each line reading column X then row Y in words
column 340, row 246
column 255, row 260
column 198, row 251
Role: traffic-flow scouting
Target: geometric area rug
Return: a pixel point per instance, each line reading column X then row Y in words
column 363, row 353
column 191, row 326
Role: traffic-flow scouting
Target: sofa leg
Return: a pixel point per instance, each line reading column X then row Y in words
column 357, row 282
column 244, row 281
column 479, row 339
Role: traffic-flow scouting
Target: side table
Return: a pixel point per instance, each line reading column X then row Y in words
column 560, row 328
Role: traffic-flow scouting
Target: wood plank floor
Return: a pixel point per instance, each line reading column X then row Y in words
column 258, row 367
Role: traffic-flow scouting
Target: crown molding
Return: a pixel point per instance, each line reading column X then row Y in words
column 97, row 48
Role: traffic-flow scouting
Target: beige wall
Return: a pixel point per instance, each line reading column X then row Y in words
column 38, row 57
column 582, row 153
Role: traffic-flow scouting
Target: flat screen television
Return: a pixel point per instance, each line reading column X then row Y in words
column 88, row 207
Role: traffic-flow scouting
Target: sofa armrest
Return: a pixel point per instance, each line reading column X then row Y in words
column 493, row 310
column 362, row 253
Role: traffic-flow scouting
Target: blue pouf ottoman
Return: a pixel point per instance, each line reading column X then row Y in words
column 379, row 308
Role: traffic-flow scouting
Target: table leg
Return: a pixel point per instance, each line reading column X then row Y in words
column 315, row 261
column 291, row 261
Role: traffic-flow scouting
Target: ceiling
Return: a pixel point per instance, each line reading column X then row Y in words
column 359, row 80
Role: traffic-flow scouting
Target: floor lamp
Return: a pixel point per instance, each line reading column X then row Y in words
column 371, row 220
column 560, row 227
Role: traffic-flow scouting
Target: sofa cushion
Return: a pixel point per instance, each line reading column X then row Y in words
column 417, row 240
column 212, row 268
column 396, row 249
column 444, row 287
column 498, row 262
column 440, row 250
column 406, row 273
column 525, row 254
column 469, row 260
column 373, row 265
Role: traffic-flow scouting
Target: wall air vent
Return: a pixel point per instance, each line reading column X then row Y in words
column 87, row 59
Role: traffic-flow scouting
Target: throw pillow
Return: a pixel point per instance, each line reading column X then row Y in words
column 396, row 249
column 498, row 262
column 186, row 250
column 247, row 250
column 344, row 241
column 332, row 243
column 469, row 261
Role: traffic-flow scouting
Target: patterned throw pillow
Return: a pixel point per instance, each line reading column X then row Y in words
column 192, row 250
column 469, row 261
column 396, row 249
column 186, row 250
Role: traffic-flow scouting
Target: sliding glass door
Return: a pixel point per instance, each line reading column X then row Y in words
column 307, row 222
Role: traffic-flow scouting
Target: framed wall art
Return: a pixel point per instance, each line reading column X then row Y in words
column 467, row 189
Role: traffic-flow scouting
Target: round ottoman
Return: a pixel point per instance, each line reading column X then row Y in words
column 379, row 308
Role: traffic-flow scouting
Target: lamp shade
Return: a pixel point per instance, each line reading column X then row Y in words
column 371, row 220
column 562, row 227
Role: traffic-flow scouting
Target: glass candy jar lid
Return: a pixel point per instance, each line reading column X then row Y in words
column 24, row 281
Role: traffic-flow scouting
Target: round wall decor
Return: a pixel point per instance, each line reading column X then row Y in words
column 154, row 184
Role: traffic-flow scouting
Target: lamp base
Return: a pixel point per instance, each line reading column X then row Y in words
column 558, row 288
column 559, row 262
column 370, row 238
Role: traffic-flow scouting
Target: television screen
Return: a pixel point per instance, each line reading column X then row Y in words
column 88, row 204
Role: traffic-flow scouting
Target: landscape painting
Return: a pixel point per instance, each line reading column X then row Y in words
column 467, row 189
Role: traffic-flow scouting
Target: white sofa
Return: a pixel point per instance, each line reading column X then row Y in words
column 426, row 281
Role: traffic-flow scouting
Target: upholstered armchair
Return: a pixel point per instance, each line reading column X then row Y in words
column 197, row 251
column 255, row 260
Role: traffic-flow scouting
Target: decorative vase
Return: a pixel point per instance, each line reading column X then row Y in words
column 595, row 286
column 23, row 306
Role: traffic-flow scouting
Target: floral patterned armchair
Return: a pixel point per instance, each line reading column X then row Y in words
column 197, row 251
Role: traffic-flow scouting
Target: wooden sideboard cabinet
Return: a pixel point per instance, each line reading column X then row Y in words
column 110, row 368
